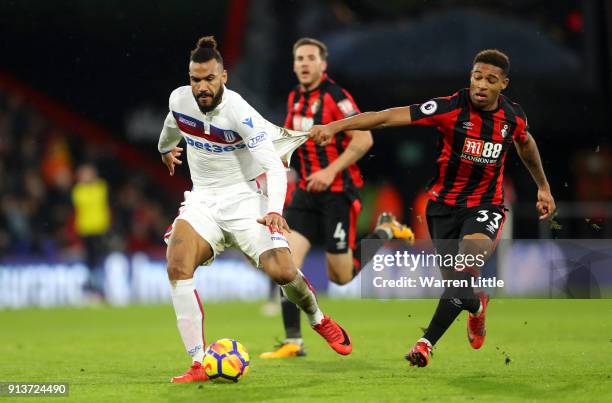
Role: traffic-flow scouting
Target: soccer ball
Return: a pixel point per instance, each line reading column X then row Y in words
column 226, row 360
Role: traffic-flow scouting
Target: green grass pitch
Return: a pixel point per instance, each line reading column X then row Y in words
column 536, row 350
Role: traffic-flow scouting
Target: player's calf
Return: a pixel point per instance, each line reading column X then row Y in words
column 278, row 265
column 300, row 292
column 189, row 317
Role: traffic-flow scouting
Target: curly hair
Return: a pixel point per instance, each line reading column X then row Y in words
column 494, row 57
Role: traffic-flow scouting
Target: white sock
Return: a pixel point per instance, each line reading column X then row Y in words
column 299, row 292
column 424, row 340
column 189, row 317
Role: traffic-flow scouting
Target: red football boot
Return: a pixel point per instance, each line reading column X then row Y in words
column 336, row 337
column 419, row 355
column 476, row 331
column 194, row 374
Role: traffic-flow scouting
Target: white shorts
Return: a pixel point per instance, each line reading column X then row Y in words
column 228, row 217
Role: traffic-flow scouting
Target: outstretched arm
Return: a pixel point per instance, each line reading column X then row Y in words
column 363, row 121
column 528, row 151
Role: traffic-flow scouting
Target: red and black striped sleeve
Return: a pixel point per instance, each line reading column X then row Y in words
column 289, row 118
column 345, row 105
column 432, row 112
column 522, row 127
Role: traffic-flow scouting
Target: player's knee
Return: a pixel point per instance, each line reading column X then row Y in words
column 340, row 277
column 278, row 265
column 475, row 245
column 282, row 275
column 178, row 270
column 334, row 277
column 285, row 276
column 340, row 268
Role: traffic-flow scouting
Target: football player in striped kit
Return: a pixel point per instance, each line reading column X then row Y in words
column 465, row 212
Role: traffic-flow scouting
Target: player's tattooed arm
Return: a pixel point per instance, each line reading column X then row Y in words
column 530, row 155
column 322, row 134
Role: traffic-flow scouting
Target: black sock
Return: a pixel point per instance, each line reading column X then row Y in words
column 452, row 302
column 376, row 240
column 464, row 296
column 291, row 318
column 472, row 305
column 445, row 315
column 469, row 301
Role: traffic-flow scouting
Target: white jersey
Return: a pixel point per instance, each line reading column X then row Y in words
column 229, row 145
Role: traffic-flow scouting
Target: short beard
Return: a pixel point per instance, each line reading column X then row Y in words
column 215, row 102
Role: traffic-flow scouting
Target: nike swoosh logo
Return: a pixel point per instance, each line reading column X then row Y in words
column 347, row 340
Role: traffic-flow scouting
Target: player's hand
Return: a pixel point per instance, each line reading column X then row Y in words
column 320, row 180
column 321, row 134
column 275, row 222
column 171, row 159
column 546, row 203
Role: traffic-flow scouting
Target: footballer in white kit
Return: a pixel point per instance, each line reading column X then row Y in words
column 227, row 148
column 228, row 145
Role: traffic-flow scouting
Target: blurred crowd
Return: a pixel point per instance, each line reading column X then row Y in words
column 59, row 192
column 63, row 197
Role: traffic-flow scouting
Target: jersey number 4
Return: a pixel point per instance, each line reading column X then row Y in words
column 339, row 233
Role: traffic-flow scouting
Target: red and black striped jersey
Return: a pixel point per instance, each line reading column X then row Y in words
column 472, row 150
column 326, row 103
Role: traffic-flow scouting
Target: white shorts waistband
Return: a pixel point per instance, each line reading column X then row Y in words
column 226, row 191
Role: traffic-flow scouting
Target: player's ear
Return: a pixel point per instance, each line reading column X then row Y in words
column 505, row 83
column 324, row 65
column 224, row 76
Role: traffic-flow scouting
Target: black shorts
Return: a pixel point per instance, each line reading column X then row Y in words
column 448, row 224
column 330, row 217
